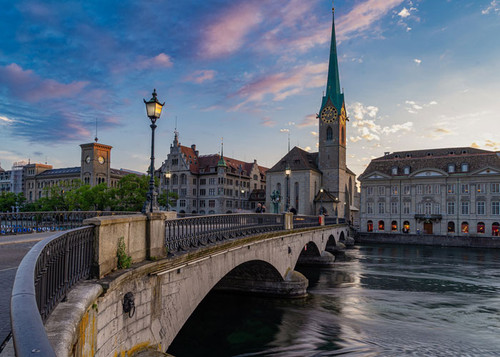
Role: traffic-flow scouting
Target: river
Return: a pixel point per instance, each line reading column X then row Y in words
column 380, row 300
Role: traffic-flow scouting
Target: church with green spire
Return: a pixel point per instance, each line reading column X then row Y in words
column 319, row 182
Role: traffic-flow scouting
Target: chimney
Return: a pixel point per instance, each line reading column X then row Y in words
column 193, row 147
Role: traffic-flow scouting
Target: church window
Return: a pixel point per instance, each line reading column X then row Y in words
column 278, row 187
column 329, row 134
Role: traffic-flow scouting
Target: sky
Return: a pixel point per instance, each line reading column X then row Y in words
column 417, row 74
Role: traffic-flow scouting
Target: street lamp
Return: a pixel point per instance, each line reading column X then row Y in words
column 168, row 175
column 288, row 172
column 321, row 200
column 242, row 197
column 153, row 111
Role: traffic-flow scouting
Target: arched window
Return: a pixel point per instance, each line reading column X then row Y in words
column 183, row 179
column 329, row 133
column 175, row 179
column 495, row 227
column 296, row 196
column 406, row 227
column 451, row 227
column 381, row 225
column 481, row 228
column 278, row 187
column 465, row 227
column 394, row 226
column 369, row 226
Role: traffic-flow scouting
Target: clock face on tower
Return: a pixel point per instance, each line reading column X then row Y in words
column 329, row 114
column 87, row 159
column 101, row 160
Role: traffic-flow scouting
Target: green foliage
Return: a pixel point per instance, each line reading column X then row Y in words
column 129, row 195
column 10, row 200
column 172, row 198
column 124, row 260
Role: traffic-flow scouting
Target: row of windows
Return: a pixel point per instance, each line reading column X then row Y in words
column 451, row 169
column 211, row 181
column 212, row 203
column 429, row 208
column 434, row 189
column 464, row 227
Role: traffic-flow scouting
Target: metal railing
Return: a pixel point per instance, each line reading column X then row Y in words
column 30, row 222
column 185, row 233
column 45, row 275
column 333, row 220
column 300, row 221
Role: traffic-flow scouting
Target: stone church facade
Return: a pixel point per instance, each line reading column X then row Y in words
column 320, row 181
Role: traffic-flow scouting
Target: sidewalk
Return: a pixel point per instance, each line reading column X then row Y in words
column 25, row 238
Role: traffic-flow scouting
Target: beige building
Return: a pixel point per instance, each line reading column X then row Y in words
column 454, row 191
column 321, row 181
column 211, row 184
column 94, row 169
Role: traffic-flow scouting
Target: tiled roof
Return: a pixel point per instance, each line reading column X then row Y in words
column 63, row 171
column 205, row 162
column 297, row 159
column 433, row 158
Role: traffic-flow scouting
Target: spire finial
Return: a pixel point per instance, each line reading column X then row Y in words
column 96, row 139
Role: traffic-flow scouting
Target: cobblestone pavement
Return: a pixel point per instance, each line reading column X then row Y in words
column 12, row 251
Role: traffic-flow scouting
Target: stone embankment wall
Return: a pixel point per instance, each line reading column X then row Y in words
column 424, row 239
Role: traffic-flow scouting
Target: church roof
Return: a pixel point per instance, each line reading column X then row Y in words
column 297, row 159
column 433, row 158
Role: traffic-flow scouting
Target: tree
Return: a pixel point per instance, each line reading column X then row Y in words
column 9, row 201
column 130, row 194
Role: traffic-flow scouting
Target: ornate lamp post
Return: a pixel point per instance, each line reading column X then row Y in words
column 153, row 111
column 288, row 172
column 242, row 198
column 168, row 175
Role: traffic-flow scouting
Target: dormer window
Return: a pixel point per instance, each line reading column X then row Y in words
column 407, row 170
column 465, row 167
column 394, row 170
column 451, row 168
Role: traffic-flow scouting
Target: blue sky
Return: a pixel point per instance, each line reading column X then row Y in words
column 416, row 74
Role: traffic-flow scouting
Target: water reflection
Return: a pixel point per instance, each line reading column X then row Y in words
column 382, row 300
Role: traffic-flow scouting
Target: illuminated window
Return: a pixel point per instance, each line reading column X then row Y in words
column 394, row 226
column 381, row 225
column 369, row 227
column 465, row 227
column 481, row 228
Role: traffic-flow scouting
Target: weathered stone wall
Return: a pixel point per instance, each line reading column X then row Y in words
column 424, row 239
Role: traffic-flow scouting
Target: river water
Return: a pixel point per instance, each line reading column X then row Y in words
column 381, row 300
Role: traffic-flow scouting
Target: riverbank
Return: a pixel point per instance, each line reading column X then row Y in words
column 424, row 239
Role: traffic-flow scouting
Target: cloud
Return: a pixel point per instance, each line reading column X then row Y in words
column 417, row 61
column 200, row 76
column 32, row 88
column 404, row 13
column 227, row 34
column 314, row 133
column 493, row 7
column 284, row 130
column 365, row 124
column 283, row 84
column 5, row 120
column 413, row 107
column 474, row 145
column 310, row 120
column 267, row 122
column 362, row 17
column 160, row 61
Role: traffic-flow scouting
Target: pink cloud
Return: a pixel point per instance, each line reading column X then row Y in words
column 228, row 34
column 362, row 16
column 31, row 87
column 267, row 122
column 162, row 60
column 200, row 76
column 284, row 84
column 310, row 120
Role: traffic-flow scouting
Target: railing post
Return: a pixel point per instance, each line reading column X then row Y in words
column 288, row 221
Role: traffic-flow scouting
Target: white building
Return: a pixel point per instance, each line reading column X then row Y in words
column 454, row 191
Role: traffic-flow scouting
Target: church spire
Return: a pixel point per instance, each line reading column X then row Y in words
column 222, row 162
column 333, row 83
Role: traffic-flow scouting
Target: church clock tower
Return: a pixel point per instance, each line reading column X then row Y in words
column 332, row 129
